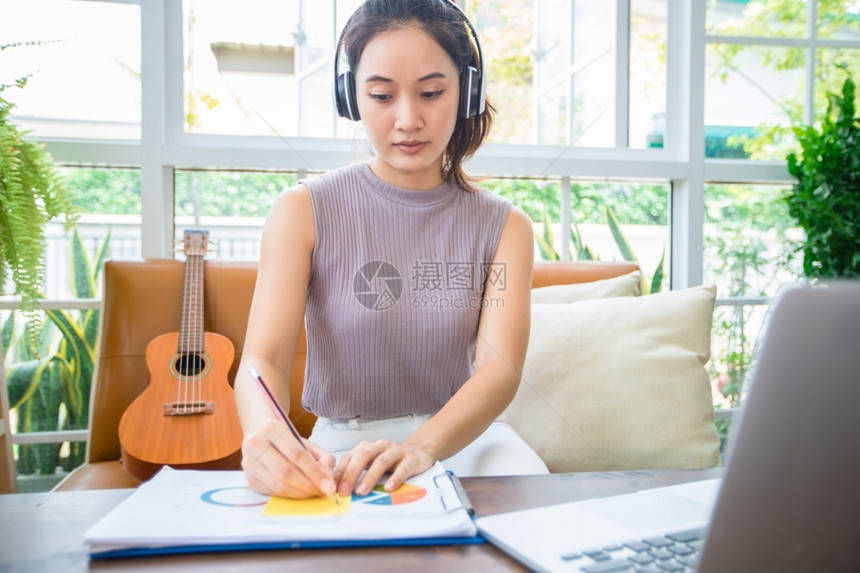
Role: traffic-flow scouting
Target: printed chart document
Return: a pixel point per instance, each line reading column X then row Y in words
column 181, row 511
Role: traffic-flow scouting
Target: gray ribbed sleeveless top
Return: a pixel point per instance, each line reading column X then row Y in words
column 395, row 293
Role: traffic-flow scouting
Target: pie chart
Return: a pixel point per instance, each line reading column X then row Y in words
column 407, row 493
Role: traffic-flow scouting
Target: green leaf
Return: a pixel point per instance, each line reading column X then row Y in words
column 545, row 239
column 21, row 381
column 6, row 334
column 583, row 252
column 825, row 199
column 82, row 276
column 620, row 240
column 80, row 354
column 659, row 273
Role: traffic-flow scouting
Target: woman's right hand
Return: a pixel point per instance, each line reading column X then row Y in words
column 275, row 463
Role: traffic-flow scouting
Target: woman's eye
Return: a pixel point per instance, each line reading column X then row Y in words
column 380, row 97
column 431, row 95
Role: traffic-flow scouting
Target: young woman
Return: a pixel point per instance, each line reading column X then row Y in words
column 414, row 283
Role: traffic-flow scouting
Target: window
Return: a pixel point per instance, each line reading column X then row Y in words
column 767, row 69
column 602, row 103
column 84, row 76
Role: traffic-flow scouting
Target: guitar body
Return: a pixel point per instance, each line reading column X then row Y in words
column 167, row 425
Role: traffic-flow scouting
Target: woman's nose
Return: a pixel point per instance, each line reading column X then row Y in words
column 408, row 116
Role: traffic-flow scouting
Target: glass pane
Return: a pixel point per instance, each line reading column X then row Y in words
column 240, row 69
column 641, row 210
column 748, row 239
column 647, row 102
column 315, row 35
column 506, row 30
column 748, row 243
column 84, row 76
column 593, row 107
column 109, row 203
column 736, row 335
column 839, row 19
column 553, row 111
column 316, row 118
column 593, row 104
column 593, row 32
column 60, row 400
column 232, row 206
column 261, row 67
column 833, row 67
column 752, row 95
column 757, row 18
column 574, row 72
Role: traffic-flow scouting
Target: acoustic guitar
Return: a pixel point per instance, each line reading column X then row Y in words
column 186, row 417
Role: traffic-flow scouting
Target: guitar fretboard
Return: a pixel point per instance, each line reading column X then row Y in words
column 191, row 334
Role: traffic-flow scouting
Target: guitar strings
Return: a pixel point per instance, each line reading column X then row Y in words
column 182, row 338
column 189, row 335
column 198, row 329
column 193, row 329
column 190, row 363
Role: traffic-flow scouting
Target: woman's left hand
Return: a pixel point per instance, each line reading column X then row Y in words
column 402, row 460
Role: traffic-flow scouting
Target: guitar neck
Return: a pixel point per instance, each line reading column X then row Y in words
column 191, row 334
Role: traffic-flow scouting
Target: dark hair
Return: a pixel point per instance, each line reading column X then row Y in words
column 446, row 25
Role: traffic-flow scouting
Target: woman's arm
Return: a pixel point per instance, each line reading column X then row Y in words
column 503, row 332
column 274, row 462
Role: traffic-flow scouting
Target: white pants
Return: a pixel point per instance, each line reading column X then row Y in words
column 498, row 451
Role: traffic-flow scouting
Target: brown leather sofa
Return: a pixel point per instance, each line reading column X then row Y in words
column 142, row 299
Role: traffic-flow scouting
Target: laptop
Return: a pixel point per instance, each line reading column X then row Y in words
column 789, row 499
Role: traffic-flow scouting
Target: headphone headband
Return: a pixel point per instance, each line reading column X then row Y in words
column 473, row 82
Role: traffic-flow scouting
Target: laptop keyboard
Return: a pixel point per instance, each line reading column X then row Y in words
column 673, row 552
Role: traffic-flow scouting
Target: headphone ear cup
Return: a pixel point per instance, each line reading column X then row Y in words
column 345, row 100
column 471, row 93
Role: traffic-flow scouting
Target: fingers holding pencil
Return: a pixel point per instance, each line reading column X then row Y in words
column 276, row 464
column 315, row 465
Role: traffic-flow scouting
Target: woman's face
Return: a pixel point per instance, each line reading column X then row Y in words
column 407, row 89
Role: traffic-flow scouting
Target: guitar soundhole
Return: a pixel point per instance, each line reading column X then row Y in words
column 190, row 364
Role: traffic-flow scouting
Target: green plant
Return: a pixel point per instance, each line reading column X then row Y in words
column 627, row 253
column 825, row 201
column 31, row 194
column 581, row 251
column 50, row 388
column 740, row 257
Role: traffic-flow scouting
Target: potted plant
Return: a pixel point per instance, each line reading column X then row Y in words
column 31, row 194
column 825, row 200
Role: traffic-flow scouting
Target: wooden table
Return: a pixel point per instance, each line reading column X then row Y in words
column 43, row 532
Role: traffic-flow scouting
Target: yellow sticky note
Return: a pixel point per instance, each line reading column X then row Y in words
column 315, row 506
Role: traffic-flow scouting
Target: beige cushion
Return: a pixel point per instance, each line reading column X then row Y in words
column 620, row 383
column 625, row 285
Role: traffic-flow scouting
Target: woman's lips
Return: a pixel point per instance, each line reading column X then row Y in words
column 410, row 147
